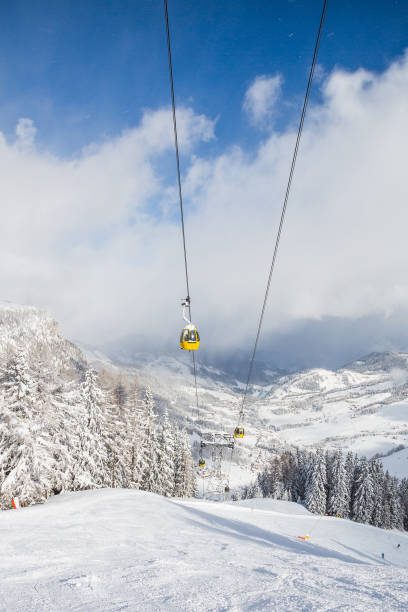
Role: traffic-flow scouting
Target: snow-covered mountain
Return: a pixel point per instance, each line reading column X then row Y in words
column 362, row 406
column 36, row 331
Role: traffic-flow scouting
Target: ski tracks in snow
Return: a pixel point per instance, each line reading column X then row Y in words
column 111, row 550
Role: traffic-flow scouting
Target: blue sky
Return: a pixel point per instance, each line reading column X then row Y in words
column 84, row 71
column 92, row 233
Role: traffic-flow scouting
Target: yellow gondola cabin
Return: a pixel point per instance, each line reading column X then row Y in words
column 189, row 339
column 239, row 432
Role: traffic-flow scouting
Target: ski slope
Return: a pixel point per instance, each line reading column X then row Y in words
column 128, row 550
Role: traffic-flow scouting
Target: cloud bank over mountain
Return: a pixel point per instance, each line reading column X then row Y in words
column 96, row 238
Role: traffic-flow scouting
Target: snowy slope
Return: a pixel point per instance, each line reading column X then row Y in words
column 397, row 463
column 128, row 550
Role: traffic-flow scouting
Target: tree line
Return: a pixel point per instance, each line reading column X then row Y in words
column 72, row 435
column 329, row 482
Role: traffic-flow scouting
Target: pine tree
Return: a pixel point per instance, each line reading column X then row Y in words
column 329, row 460
column 179, row 465
column 303, row 458
column 288, row 470
column 396, row 511
column 185, row 484
column 55, row 411
column 316, row 484
column 191, row 480
column 137, row 432
column 62, row 429
column 364, row 495
column 386, row 501
column 351, row 467
column 118, row 436
column 275, row 478
column 377, row 477
column 91, row 462
column 403, row 492
column 24, row 444
column 338, row 503
column 19, row 387
column 253, row 490
column 167, row 456
column 148, row 455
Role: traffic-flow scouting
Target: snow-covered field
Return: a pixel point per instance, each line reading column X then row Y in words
column 397, row 463
column 130, row 550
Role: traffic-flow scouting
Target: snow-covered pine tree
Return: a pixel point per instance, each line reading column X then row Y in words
column 386, row 501
column 148, row 456
column 289, row 469
column 351, row 465
column 316, row 484
column 329, row 459
column 166, row 458
column 299, row 492
column 377, row 477
column 263, row 482
column 118, row 435
column 403, row 492
column 191, row 479
column 338, row 502
column 396, row 511
column 55, row 402
column 120, row 394
column 185, row 484
column 363, row 494
column 179, row 464
column 91, row 470
column 137, row 434
column 251, row 491
column 24, row 443
column 275, row 481
column 62, row 427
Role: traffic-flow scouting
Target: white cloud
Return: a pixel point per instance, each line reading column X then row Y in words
column 97, row 240
column 25, row 132
column 261, row 97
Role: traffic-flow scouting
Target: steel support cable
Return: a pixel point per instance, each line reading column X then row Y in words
column 285, row 203
column 283, row 213
column 173, row 106
column 195, row 383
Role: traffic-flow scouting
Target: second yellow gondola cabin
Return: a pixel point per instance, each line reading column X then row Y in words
column 201, row 463
column 239, row 432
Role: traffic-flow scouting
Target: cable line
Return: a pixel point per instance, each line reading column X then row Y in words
column 285, row 203
column 195, row 384
column 173, row 105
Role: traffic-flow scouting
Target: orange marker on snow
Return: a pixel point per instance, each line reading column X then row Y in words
column 15, row 503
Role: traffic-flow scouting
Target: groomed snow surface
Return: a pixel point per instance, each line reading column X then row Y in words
column 128, row 550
